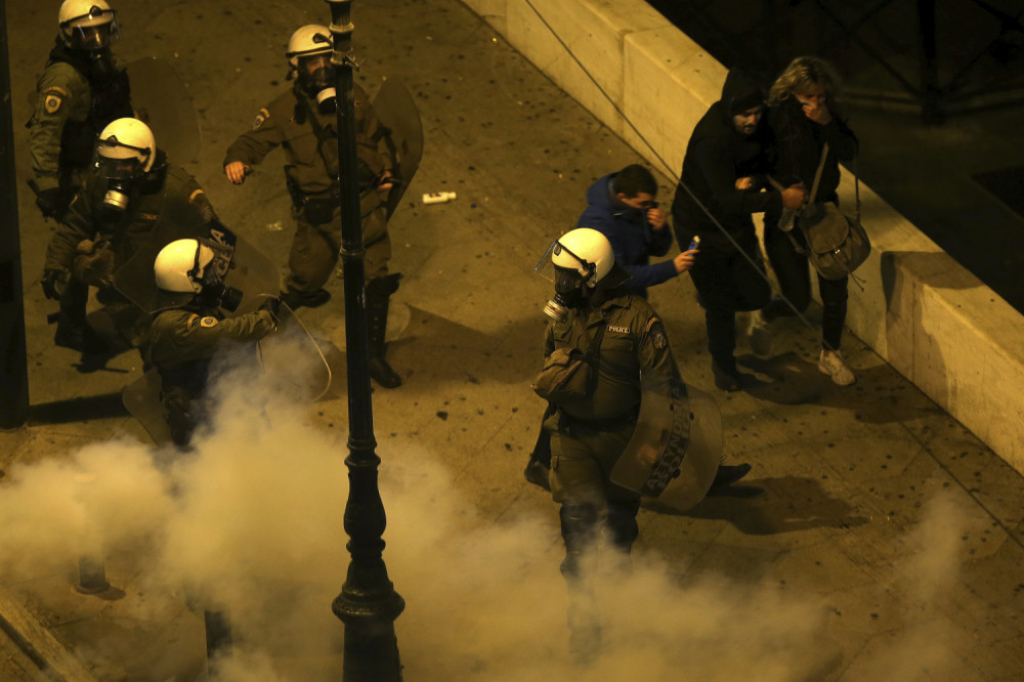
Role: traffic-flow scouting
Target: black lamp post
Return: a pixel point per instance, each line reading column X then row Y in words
column 368, row 603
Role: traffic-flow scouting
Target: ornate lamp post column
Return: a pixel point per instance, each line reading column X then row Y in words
column 368, row 603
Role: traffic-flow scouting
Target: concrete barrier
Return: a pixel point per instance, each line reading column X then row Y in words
column 931, row 319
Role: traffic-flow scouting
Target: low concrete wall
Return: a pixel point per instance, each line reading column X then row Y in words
column 932, row 320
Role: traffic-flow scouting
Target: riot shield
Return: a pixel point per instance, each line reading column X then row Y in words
column 397, row 111
column 162, row 102
column 292, row 359
column 677, row 446
column 250, row 272
column 142, row 400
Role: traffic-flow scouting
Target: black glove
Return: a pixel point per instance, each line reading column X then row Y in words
column 55, row 283
column 272, row 306
column 52, row 202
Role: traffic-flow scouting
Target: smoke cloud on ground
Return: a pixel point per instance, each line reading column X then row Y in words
column 251, row 522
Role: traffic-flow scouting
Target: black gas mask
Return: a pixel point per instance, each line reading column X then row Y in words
column 214, row 293
column 320, row 82
column 569, row 293
column 113, row 162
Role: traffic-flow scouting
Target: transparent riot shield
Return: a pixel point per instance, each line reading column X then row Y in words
column 397, row 111
column 162, row 102
column 250, row 272
column 677, row 446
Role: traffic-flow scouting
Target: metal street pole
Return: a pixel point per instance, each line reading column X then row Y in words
column 368, row 603
column 13, row 359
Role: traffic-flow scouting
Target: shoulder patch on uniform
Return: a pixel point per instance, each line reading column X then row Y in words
column 261, row 118
column 208, row 321
column 52, row 102
column 657, row 332
column 618, row 329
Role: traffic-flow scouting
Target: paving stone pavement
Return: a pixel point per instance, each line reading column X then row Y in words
column 887, row 542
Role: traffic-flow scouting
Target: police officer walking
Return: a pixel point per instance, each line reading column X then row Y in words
column 303, row 121
column 111, row 217
column 80, row 92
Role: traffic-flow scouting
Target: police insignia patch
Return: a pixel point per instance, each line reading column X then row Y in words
column 208, row 321
column 657, row 332
column 52, row 103
column 261, row 118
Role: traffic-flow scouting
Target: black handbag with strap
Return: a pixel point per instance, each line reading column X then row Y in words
column 836, row 243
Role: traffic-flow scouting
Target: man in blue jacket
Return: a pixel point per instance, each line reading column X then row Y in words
column 622, row 207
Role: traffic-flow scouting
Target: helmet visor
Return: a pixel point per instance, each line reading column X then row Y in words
column 92, row 31
column 118, row 161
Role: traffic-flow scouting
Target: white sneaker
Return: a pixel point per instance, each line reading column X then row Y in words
column 760, row 334
column 831, row 363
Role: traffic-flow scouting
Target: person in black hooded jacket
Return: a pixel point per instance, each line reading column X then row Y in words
column 724, row 171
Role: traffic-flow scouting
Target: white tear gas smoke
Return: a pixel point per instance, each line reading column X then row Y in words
column 252, row 522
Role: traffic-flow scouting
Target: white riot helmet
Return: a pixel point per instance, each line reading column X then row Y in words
column 125, row 149
column 582, row 258
column 181, row 265
column 587, row 251
column 189, row 268
column 87, row 24
column 314, row 40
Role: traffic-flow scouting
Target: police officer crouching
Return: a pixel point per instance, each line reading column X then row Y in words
column 190, row 327
column 304, row 122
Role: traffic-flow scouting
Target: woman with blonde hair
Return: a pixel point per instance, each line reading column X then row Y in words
column 804, row 115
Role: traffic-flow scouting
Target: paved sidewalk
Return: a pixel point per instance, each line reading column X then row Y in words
column 887, row 543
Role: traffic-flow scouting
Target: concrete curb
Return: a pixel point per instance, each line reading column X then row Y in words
column 52, row 657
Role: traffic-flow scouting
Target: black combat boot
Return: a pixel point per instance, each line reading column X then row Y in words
column 378, row 295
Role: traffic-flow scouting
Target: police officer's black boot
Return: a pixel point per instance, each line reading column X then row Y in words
column 579, row 533
column 73, row 331
column 378, row 294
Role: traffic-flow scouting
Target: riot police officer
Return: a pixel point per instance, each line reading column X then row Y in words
column 303, row 121
column 618, row 336
column 80, row 92
column 111, row 217
column 189, row 327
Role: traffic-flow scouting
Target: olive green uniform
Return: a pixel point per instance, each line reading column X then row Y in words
column 70, row 112
column 591, row 433
column 89, row 232
column 181, row 344
column 310, row 142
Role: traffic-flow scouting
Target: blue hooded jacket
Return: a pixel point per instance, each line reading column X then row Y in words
column 633, row 239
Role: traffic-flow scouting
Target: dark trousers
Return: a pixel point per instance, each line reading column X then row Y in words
column 728, row 283
column 793, row 272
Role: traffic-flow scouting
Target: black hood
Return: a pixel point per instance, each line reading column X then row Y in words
column 740, row 93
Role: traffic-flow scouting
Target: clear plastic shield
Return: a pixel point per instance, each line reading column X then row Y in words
column 250, row 272
column 397, row 110
column 162, row 102
column 677, row 446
